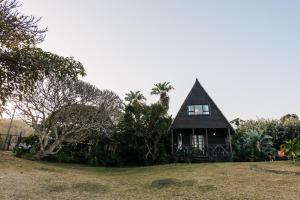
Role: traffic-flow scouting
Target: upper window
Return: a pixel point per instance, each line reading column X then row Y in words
column 198, row 110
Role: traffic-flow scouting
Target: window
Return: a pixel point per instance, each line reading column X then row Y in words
column 198, row 110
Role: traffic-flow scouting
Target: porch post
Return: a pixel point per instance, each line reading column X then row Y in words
column 206, row 134
column 192, row 141
column 172, row 141
column 230, row 145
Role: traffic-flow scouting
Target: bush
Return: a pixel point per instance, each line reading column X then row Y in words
column 252, row 146
column 281, row 130
column 27, row 147
column 183, row 155
column 164, row 156
column 70, row 153
column 292, row 148
column 220, row 156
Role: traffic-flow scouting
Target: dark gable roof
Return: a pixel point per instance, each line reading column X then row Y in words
column 198, row 96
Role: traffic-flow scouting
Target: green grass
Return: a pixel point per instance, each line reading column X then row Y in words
column 23, row 179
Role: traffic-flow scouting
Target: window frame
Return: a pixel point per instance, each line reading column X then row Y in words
column 191, row 110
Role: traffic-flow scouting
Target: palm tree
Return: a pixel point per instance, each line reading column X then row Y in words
column 292, row 148
column 135, row 97
column 162, row 89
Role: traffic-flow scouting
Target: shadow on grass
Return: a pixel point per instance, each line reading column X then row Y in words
column 90, row 187
column 170, row 182
column 78, row 187
column 48, row 169
column 206, row 188
column 126, row 170
column 258, row 169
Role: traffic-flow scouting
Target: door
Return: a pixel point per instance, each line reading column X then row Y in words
column 198, row 142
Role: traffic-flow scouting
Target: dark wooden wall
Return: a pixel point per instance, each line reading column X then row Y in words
column 218, row 138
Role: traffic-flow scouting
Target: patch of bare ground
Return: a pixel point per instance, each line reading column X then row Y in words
column 23, row 179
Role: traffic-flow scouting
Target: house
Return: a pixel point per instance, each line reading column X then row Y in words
column 201, row 127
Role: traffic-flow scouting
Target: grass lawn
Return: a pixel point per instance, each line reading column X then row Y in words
column 23, row 179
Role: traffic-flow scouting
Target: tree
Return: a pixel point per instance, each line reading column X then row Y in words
column 18, row 30
column 142, row 131
column 21, row 63
column 162, row 89
column 287, row 117
column 21, row 69
column 292, row 148
column 279, row 131
column 66, row 111
column 237, row 122
column 73, row 123
column 135, row 97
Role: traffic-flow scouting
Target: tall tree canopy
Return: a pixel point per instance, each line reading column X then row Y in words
column 21, row 63
column 162, row 90
column 143, row 128
column 18, row 30
column 67, row 110
column 135, row 97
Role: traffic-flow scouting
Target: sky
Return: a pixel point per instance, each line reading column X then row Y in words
column 246, row 54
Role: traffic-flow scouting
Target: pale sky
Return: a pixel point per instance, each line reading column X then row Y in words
column 246, row 54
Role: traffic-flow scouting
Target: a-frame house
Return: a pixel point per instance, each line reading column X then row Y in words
column 200, row 126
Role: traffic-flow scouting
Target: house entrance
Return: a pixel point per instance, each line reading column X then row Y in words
column 198, row 143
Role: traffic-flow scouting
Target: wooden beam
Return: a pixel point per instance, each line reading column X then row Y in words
column 172, row 141
column 230, row 145
column 193, row 137
column 206, row 133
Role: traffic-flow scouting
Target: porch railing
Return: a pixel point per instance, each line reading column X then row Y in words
column 219, row 152
column 213, row 151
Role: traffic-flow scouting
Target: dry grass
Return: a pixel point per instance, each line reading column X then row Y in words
column 22, row 179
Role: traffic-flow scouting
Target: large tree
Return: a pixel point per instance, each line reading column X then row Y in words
column 143, row 129
column 162, row 90
column 18, row 30
column 22, row 64
column 135, row 97
column 67, row 111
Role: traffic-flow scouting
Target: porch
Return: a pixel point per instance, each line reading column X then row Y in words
column 204, row 143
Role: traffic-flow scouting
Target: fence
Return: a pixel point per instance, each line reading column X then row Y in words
column 8, row 142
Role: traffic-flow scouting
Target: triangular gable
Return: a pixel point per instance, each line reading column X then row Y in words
column 198, row 96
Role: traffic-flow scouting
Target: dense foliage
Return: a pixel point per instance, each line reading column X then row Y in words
column 22, row 64
column 256, row 139
column 142, row 133
column 253, row 146
column 282, row 130
column 292, row 148
column 76, row 122
column 62, row 111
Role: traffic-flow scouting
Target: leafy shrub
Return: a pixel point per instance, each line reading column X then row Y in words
column 104, row 159
column 94, row 153
column 252, row 146
column 183, row 155
column 220, row 156
column 285, row 129
column 292, row 148
column 27, row 147
column 164, row 156
column 70, row 153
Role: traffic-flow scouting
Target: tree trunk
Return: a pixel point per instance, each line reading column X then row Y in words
column 45, row 151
